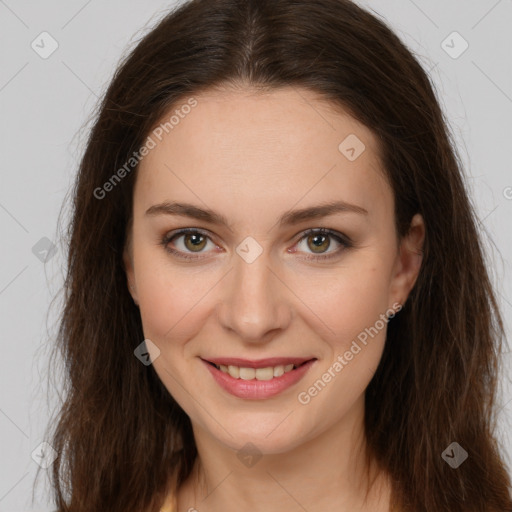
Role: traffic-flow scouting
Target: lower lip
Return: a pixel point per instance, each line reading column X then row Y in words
column 258, row 389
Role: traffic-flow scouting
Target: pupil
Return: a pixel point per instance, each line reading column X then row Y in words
column 317, row 237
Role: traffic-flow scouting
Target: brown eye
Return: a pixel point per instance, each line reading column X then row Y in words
column 187, row 243
column 195, row 242
column 318, row 243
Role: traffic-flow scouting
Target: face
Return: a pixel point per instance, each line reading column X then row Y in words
column 266, row 274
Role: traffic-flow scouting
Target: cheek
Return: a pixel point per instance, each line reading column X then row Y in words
column 345, row 301
column 172, row 300
column 172, row 315
column 168, row 305
column 353, row 305
column 350, row 306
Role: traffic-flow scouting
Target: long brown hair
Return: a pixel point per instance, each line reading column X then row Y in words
column 119, row 435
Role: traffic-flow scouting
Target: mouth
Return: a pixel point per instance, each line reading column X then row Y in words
column 260, row 379
column 260, row 370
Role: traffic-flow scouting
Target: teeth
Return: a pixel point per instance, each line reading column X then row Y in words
column 278, row 371
column 247, row 373
column 267, row 373
column 264, row 373
column 234, row 371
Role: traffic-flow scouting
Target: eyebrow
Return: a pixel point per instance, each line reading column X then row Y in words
column 287, row 219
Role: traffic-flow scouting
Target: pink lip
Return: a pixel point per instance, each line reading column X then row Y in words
column 258, row 363
column 258, row 389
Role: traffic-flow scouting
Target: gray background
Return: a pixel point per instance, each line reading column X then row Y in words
column 45, row 103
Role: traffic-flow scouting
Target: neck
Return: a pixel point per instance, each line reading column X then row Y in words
column 327, row 472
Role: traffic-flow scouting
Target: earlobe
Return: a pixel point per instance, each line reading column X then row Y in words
column 409, row 260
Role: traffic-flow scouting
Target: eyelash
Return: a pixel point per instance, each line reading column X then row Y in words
column 345, row 242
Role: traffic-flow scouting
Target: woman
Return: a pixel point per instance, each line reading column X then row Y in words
column 276, row 296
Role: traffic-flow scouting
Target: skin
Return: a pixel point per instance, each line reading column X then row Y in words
column 253, row 157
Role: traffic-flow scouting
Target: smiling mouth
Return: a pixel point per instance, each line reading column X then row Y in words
column 262, row 373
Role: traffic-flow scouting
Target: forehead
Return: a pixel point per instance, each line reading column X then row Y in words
column 259, row 149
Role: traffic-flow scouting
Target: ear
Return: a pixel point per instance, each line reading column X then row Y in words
column 408, row 261
column 130, row 274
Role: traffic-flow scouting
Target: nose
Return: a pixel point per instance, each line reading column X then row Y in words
column 255, row 303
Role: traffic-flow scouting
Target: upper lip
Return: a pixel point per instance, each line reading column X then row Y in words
column 257, row 363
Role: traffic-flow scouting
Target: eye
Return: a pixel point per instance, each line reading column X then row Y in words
column 192, row 240
column 318, row 241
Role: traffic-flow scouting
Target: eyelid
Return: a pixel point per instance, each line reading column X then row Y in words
column 340, row 238
column 169, row 237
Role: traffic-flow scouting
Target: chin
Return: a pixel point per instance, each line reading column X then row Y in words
column 266, row 433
